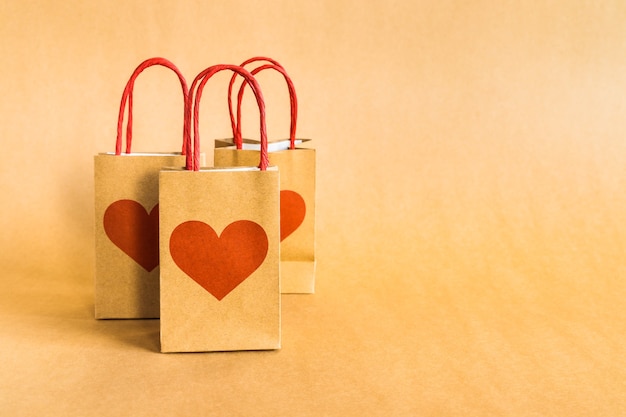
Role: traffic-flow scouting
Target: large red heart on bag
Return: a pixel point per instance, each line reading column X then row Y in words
column 135, row 231
column 292, row 212
column 219, row 263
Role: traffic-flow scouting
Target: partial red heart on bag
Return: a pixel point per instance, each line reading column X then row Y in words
column 292, row 212
column 135, row 231
column 219, row 263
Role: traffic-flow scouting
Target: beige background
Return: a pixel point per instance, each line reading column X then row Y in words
column 471, row 208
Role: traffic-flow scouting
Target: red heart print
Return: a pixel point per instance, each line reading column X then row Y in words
column 218, row 263
column 292, row 212
column 130, row 228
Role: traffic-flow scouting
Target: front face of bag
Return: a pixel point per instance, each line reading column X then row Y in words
column 220, row 287
column 297, row 211
column 126, row 232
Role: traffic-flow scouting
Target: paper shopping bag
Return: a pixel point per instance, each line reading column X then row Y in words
column 219, row 246
column 127, row 216
column 297, row 184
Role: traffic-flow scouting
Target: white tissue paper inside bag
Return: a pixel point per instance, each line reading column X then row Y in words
column 254, row 145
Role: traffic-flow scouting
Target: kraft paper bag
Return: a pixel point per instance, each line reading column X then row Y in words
column 220, row 250
column 127, row 217
column 297, row 184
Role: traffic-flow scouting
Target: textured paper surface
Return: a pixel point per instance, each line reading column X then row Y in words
column 297, row 175
column 248, row 317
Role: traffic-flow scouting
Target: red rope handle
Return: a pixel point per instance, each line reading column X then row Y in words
column 202, row 78
column 293, row 100
column 237, row 138
column 128, row 96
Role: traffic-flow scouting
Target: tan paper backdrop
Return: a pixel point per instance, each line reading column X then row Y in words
column 471, row 211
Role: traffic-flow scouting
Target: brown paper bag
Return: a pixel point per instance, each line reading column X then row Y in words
column 219, row 246
column 297, row 184
column 126, row 218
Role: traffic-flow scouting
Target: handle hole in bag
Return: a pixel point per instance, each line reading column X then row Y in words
column 236, row 125
column 293, row 104
column 233, row 124
column 127, row 102
column 193, row 107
